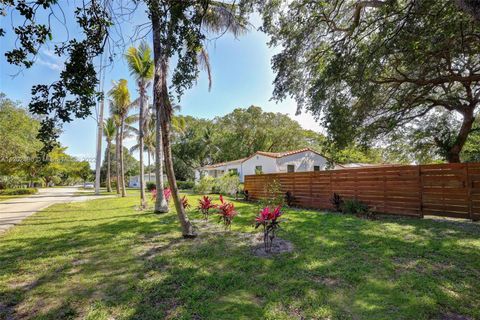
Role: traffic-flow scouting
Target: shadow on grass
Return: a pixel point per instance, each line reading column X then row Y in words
column 136, row 266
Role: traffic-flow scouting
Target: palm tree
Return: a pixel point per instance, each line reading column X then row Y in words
column 110, row 132
column 217, row 17
column 141, row 67
column 120, row 107
column 150, row 144
column 117, row 122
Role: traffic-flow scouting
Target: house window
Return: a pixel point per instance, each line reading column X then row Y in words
column 290, row 168
column 233, row 171
column 258, row 170
column 316, row 168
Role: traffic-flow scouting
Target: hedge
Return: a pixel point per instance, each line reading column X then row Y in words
column 182, row 185
column 19, row 191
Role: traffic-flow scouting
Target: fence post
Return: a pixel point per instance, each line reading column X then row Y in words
column 310, row 187
column 384, row 192
column 420, row 189
column 331, row 188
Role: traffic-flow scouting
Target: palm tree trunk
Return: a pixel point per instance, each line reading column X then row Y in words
column 164, row 113
column 143, row 202
column 117, row 160
column 165, row 120
column 161, row 204
column 98, row 161
column 122, row 163
column 149, row 168
column 109, row 184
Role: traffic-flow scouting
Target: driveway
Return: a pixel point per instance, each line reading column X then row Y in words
column 13, row 211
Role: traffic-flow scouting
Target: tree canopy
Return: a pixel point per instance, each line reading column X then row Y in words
column 370, row 68
column 198, row 142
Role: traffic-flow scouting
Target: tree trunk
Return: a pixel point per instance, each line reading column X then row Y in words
column 164, row 113
column 122, row 164
column 149, row 168
column 98, row 162
column 117, row 159
column 453, row 154
column 109, row 184
column 161, row 204
column 165, row 120
column 143, row 201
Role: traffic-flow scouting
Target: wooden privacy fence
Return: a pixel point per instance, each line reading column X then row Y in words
column 451, row 190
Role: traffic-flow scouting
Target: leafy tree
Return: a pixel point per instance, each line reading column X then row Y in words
column 141, row 67
column 179, row 30
column 368, row 68
column 84, row 171
column 245, row 131
column 18, row 131
column 74, row 94
column 62, row 168
column 131, row 165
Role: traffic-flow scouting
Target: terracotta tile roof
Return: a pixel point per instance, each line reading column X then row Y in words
column 220, row 164
column 263, row 153
column 282, row 154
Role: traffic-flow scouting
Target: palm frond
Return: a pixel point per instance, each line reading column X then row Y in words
column 140, row 62
column 109, row 129
column 222, row 17
column 204, row 61
column 120, row 97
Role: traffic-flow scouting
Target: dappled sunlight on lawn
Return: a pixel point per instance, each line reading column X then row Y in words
column 105, row 258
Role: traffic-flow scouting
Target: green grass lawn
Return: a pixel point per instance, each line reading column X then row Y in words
column 104, row 259
column 8, row 197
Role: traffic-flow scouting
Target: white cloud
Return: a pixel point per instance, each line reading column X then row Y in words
column 49, row 59
column 55, row 66
column 289, row 107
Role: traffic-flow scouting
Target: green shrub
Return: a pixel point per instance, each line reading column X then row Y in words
column 228, row 184
column 151, row 186
column 354, row 206
column 185, row 185
column 20, row 191
column 205, row 185
column 9, row 182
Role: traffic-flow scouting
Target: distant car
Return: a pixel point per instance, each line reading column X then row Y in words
column 88, row 185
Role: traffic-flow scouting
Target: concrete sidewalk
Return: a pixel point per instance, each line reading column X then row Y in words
column 13, row 211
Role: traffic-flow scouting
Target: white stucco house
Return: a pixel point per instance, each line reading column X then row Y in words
column 134, row 181
column 267, row 162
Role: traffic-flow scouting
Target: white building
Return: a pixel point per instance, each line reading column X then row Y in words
column 267, row 162
column 134, row 181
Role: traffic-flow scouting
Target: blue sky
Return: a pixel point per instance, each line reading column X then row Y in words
column 242, row 76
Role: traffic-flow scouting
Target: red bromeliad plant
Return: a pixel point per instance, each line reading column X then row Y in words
column 204, row 206
column 185, row 203
column 227, row 212
column 166, row 192
column 268, row 218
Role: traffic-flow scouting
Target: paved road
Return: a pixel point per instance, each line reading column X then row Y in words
column 13, row 211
